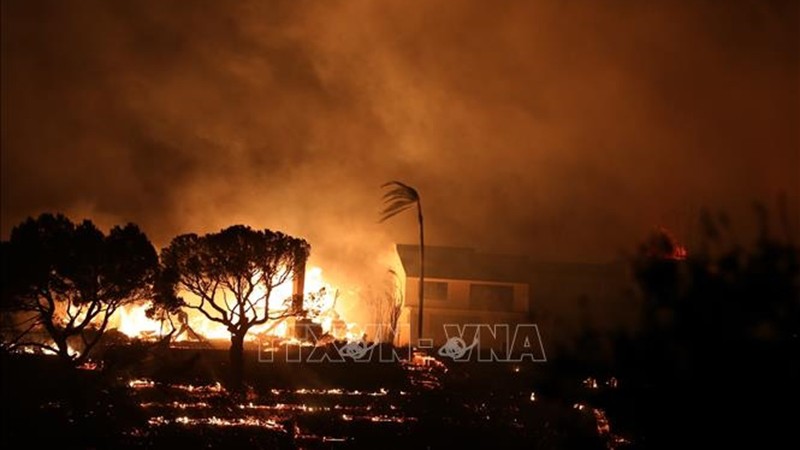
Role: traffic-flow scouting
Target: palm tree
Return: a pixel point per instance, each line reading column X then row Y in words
column 399, row 198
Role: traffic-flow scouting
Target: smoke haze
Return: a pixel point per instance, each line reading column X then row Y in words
column 563, row 130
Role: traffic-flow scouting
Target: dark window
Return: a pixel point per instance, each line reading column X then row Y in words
column 436, row 290
column 492, row 297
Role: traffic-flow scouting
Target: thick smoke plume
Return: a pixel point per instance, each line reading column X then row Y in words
column 563, row 130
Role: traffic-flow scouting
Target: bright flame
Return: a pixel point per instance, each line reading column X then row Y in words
column 133, row 321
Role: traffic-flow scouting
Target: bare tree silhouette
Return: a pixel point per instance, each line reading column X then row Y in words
column 399, row 198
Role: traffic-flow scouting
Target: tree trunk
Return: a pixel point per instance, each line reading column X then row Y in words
column 236, row 354
column 421, row 267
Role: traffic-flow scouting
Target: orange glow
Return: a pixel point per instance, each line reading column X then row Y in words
column 132, row 320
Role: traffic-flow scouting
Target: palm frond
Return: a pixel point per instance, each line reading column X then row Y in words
column 391, row 212
column 391, row 196
column 395, row 183
column 398, row 199
column 401, row 190
column 399, row 204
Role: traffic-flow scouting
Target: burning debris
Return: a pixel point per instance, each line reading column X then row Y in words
column 425, row 371
column 600, row 417
column 176, row 405
column 378, row 418
column 317, row 322
column 662, row 244
column 303, row 391
column 317, row 318
column 300, row 414
column 247, row 421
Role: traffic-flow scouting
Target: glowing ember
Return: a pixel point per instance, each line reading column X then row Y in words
column 141, row 384
column 91, row 365
column 303, row 391
column 216, row 387
column 603, row 426
column 421, row 359
column 177, row 405
column 378, row 418
column 590, row 383
column 664, row 245
column 247, row 421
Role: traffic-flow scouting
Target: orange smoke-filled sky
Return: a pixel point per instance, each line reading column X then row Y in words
column 562, row 130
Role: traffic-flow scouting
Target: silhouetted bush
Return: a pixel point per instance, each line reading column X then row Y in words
column 719, row 338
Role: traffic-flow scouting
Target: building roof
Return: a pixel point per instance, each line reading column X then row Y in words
column 459, row 263
column 462, row 263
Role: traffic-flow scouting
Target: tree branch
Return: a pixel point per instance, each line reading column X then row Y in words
column 209, row 316
column 13, row 342
column 88, row 346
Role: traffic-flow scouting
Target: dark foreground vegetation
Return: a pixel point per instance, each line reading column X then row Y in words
column 714, row 362
column 176, row 402
column 715, row 359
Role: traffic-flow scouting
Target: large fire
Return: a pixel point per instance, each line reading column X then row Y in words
column 132, row 320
